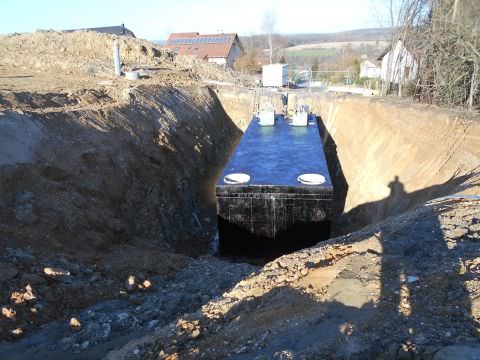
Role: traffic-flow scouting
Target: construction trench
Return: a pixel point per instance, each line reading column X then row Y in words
column 137, row 171
column 109, row 223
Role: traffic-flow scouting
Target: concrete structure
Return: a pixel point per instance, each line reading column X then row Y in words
column 300, row 116
column 275, row 75
column 112, row 30
column 369, row 70
column 221, row 49
column 274, row 212
column 267, row 116
column 398, row 65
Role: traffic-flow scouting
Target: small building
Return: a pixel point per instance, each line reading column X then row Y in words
column 221, row 49
column 275, row 75
column 369, row 70
column 398, row 65
column 112, row 30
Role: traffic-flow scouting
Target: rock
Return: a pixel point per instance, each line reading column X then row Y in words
column 8, row 312
column 146, row 284
column 20, row 297
column 85, row 344
column 16, row 332
column 454, row 352
column 75, row 324
column 55, row 272
column 131, row 283
column 195, row 333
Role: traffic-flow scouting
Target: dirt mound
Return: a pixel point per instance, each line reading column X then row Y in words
column 90, row 53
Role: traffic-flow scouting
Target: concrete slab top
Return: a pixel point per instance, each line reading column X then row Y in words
column 274, row 156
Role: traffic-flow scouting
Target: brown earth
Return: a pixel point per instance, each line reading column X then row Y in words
column 90, row 53
column 99, row 174
column 114, row 190
column 103, row 179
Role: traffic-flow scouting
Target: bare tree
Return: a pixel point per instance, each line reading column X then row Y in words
column 444, row 38
column 273, row 40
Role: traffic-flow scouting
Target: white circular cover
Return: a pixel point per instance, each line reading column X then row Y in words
column 311, row 179
column 236, row 178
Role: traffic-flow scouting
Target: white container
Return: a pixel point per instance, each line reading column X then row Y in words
column 300, row 116
column 275, row 75
column 132, row 75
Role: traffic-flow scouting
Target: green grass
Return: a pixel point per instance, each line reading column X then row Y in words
column 311, row 53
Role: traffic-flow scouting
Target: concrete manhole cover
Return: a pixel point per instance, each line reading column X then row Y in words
column 236, row 178
column 311, row 179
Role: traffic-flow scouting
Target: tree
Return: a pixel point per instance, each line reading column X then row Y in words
column 273, row 41
column 354, row 71
column 247, row 63
column 268, row 28
column 315, row 68
column 444, row 38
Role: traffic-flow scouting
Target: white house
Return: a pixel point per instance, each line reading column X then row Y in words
column 369, row 70
column 399, row 65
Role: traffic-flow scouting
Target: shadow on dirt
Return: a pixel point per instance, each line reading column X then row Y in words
column 420, row 300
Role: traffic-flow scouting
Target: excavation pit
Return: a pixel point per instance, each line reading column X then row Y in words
column 285, row 200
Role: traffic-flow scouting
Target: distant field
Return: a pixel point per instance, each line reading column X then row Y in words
column 338, row 45
column 310, row 52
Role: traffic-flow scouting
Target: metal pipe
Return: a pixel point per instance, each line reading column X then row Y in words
column 116, row 58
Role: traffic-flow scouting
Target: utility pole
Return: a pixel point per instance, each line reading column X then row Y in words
column 116, row 58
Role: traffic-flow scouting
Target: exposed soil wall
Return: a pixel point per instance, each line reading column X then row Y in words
column 87, row 179
column 387, row 157
column 104, row 193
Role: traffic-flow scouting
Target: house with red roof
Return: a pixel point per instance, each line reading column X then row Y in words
column 221, row 49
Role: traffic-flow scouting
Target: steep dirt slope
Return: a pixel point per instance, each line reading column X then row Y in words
column 388, row 157
column 104, row 193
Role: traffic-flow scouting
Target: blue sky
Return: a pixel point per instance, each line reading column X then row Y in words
column 154, row 20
